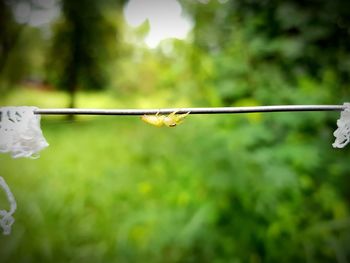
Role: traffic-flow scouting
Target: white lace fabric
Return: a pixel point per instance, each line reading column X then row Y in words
column 21, row 136
column 6, row 218
column 20, row 132
column 342, row 134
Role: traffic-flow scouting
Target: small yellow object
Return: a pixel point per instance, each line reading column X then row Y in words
column 158, row 120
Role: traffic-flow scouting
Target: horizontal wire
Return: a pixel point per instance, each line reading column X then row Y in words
column 211, row 110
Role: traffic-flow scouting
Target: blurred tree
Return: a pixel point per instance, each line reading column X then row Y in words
column 293, row 35
column 22, row 46
column 84, row 44
column 9, row 33
column 273, row 52
column 301, row 33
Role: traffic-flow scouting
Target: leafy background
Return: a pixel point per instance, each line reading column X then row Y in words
column 223, row 188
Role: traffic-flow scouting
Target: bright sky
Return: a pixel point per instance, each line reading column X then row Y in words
column 165, row 18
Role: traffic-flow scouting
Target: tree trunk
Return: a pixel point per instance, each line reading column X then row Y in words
column 72, row 87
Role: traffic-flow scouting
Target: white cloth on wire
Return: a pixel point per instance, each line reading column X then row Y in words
column 20, row 132
column 342, row 134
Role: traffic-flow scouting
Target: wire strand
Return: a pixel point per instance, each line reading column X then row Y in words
column 210, row 110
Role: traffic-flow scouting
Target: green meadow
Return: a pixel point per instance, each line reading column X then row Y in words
column 219, row 188
column 216, row 188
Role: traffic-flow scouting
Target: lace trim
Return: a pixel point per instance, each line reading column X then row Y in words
column 20, row 132
column 342, row 134
column 6, row 218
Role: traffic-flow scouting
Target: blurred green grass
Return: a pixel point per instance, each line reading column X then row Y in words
column 106, row 188
column 100, row 184
column 114, row 189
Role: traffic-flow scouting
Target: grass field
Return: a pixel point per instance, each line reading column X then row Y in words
column 106, row 189
column 114, row 189
column 101, row 185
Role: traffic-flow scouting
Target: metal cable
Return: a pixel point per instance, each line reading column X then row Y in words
column 212, row 110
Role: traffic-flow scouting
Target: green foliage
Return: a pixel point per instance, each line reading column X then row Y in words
column 228, row 188
column 292, row 34
column 246, row 48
